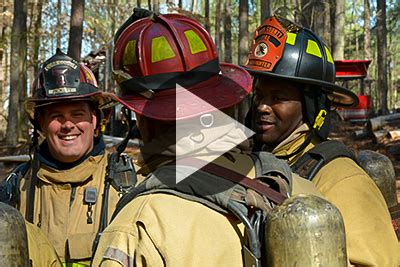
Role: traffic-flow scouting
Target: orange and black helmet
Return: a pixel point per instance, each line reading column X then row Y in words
column 62, row 78
column 154, row 54
column 283, row 49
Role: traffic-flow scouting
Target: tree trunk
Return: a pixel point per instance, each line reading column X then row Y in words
column 306, row 11
column 180, row 4
column 338, row 30
column 156, row 6
column 76, row 29
column 59, row 24
column 227, row 32
column 367, row 30
column 138, row 3
column 243, row 31
column 207, row 14
column 149, row 4
column 3, row 69
column 266, row 9
column 18, row 70
column 381, row 33
column 36, row 38
column 318, row 19
column 218, row 36
column 243, row 50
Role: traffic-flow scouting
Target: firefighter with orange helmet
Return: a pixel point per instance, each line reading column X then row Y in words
column 67, row 191
column 294, row 90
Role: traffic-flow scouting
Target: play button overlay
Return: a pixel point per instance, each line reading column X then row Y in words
column 206, row 136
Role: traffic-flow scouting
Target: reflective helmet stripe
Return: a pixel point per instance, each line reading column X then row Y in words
column 291, row 38
column 161, row 49
column 195, row 43
column 328, row 55
column 130, row 53
column 313, row 48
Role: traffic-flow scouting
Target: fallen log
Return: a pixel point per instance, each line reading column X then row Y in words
column 378, row 122
column 17, row 158
column 394, row 134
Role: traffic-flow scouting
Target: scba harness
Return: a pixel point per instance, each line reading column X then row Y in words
column 225, row 191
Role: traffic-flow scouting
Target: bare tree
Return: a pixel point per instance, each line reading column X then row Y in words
column 243, row 49
column 207, row 14
column 36, row 38
column 59, row 24
column 76, row 29
column 227, row 32
column 218, row 36
column 18, row 70
column 266, row 9
column 156, row 6
column 367, row 30
column 243, row 31
column 381, row 33
column 337, row 35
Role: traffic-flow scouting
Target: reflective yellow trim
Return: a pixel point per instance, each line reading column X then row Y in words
column 291, row 38
column 329, row 55
column 195, row 42
column 160, row 49
column 75, row 264
column 130, row 53
column 313, row 49
column 320, row 120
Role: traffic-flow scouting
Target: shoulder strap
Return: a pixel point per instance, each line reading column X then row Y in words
column 198, row 185
column 9, row 187
column 313, row 160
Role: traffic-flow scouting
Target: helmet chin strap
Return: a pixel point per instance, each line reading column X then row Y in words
column 318, row 123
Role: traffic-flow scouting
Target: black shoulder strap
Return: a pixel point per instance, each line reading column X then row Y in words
column 9, row 187
column 311, row 162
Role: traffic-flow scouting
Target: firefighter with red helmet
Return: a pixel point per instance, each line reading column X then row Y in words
column 67, row 191
column 294, row 91
column 195, row 202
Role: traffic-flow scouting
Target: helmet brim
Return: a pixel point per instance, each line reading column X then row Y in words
column 338, row 95
column 219, row 92
column 102, row 100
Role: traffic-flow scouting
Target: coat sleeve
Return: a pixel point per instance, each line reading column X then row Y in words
column 371, row 240
column 41, row 252
column 126, row 246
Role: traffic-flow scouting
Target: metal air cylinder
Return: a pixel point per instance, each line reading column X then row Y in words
column 13, row 237
column 305, row 230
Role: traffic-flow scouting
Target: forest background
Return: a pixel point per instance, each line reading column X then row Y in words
column 31, row 30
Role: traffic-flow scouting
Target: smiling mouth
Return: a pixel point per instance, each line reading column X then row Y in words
column 68, row 137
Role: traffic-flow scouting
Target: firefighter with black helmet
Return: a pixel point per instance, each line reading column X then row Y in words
column 65, row 189
column 294, row 91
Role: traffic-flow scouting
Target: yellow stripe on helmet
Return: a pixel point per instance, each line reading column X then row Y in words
column 291, row 38
column 161, row 49
column 129, row 57
column 195, row 42
column 329, row 55
column 313, row 49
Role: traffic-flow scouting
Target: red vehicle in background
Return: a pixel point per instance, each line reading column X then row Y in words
column 347, row 70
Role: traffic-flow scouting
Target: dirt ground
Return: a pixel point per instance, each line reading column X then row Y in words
column 341, row 130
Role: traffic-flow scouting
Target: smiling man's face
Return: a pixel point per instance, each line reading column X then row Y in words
column 277, row 110
column 69, row 129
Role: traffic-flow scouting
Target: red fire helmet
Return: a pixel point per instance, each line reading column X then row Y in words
column 154, row 54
